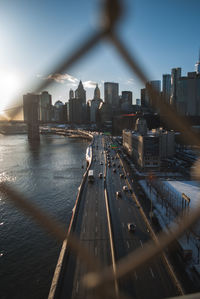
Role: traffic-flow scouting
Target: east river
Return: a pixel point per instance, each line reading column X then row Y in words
column 48, row 174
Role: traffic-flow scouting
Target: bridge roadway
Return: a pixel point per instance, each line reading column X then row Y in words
column 153, row 280
column 91, row 229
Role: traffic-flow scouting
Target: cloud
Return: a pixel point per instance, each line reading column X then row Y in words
column 66, row 78
column 62, row 78
column 130, row 81
column 89, row 84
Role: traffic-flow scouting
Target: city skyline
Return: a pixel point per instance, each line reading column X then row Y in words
column 30, row 49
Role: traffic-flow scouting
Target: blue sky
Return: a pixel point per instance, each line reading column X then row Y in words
column 35, row 34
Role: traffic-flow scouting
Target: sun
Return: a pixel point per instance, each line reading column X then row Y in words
column 9, row 87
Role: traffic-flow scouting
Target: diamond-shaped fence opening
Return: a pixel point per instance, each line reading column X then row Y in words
column 100, row 278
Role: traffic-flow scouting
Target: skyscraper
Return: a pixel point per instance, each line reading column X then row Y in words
column 31, row 114
column 156, row 85
column 111, row 94
column 96, row 92
column 80, row 93
column 127, row 97
column 45, row 106
column 71, row 94
column 143, row 97
column 167, row 87
column 175, row 75
column 197, row 65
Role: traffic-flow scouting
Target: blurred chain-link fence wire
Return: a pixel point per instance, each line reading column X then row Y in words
column 98, row 276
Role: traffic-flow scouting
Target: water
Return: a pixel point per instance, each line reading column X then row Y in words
column 49, row 174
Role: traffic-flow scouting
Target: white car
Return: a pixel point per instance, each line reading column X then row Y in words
column 100, row 175
column 125, row 188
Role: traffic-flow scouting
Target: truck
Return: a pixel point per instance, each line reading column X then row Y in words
column 91, row 176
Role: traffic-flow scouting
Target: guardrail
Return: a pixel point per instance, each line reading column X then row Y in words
column 153, row 235
column 64, row 253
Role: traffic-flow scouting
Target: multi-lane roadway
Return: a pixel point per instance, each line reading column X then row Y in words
column 153, row 280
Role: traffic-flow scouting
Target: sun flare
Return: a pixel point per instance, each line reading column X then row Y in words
column 9, row 86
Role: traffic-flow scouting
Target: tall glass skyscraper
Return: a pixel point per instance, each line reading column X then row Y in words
column 111, row 93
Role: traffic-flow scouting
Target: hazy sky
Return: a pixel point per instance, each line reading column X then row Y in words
column 36, row 34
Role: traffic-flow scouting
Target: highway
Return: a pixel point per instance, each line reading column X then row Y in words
column 91, row 229
column 153, row 280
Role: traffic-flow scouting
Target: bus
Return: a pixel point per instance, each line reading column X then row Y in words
column 91, row 176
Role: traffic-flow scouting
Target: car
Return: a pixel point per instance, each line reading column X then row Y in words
column 118, row 194
column 121, row 175
column 109, row 165
column 101, row 163
column 118, row 166
column 114, row 169
column 102, row 152
column 113, row 164
column 100, row 175
column 131, row 227
column 125, row 188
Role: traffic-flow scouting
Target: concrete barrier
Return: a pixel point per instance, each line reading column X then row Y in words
column 153, row 235
column 64, row 253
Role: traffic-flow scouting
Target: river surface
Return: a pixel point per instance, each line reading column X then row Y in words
column 48, row 174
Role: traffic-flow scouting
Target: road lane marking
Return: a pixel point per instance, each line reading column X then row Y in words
column 119, row 209
column 135, row 274
column 85, row 214
column 127, row 244
column 96, row 230
column 152, row 273
column 77, row 286
column 123, row 224
column 95, row 251
column 84, row 229
column 141, row 243
column 96, row 214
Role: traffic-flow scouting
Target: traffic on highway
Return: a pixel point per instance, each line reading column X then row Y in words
column 110, row 225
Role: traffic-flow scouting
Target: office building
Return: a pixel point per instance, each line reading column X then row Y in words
column 80, row 93
column 175, row 76
column 143, row 97
column 71, row 94
column 138, row 102
column 156, row 85
column 188, row 95
column 31, row 114
column 126, row 97
column 166, row 87
column 147, row 148
column 94, row 104
column 197, row 65
column 45, row 107
column 111, row 94
column 76, row 106
column 97, row 93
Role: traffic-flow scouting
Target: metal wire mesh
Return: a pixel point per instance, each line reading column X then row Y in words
column 99, row 276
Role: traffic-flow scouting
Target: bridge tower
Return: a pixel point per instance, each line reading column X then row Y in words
column 31, row 115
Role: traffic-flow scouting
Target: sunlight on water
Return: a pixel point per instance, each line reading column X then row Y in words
column 6, row 178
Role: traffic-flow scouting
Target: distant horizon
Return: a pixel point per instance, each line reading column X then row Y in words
column 33, row 40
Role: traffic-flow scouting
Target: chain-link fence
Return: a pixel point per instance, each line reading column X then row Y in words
column 98, row 277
